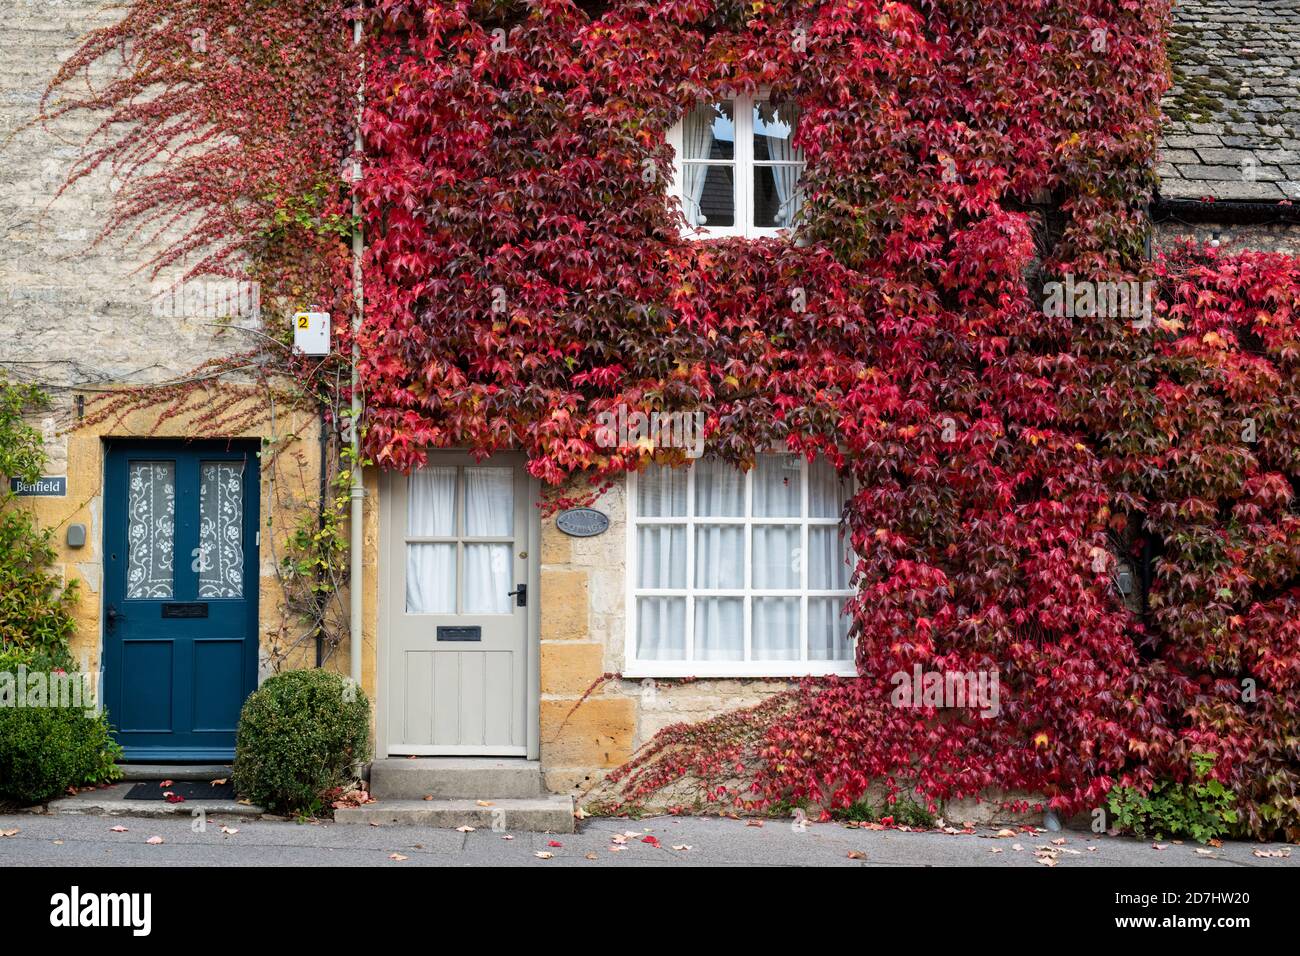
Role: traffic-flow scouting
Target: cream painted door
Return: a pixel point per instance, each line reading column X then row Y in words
column 458, row 607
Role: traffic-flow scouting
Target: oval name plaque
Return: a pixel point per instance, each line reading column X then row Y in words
column 582, row 522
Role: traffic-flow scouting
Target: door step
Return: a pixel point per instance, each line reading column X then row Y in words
column 174, row 771
column 456, row 778
column 549, row 814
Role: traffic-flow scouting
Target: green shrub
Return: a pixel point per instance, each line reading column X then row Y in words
column 1204, row 809
column 35, row 607
column 44, row 749
column 300, row 735
column 904, row 812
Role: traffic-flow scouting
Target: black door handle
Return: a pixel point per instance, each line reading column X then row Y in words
column 112, row 616
column 520, row 595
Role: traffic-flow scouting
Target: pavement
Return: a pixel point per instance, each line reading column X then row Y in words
column 89, row 840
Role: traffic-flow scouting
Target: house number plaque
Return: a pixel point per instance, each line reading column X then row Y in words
column 582, row 522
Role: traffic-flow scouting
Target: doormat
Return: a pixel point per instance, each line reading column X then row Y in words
column 189, row 789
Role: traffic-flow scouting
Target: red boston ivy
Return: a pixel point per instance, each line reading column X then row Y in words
column 527, row 273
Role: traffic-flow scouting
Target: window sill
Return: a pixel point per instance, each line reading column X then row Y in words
column 722, row 670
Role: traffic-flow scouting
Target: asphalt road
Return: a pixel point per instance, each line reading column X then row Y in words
column 72, row 840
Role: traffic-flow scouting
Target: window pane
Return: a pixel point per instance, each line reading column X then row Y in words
column 709, row 132
column 776, row 486
column 661, row 492
column 661, row 628
column 709, row 195
column 776, row 557
column 661, row 556
column 719, row 629
column 431, row 502
column 150, row 528
column 828, row 630
column 828, row 568
column 487, row 579
column 719, row 490
column 719, row 557
column 774, row 129
column 489, row 502
column 221, row 529
column 430, row 579
column 827, row 491
column 777, row 196
column 776, row 629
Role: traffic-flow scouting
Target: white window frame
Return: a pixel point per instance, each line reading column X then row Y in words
column 803, row 667
column 742, row 163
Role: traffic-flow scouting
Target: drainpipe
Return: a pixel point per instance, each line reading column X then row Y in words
column 357, row 572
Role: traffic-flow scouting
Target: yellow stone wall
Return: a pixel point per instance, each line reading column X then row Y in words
column 583, row 635
column 290, row 476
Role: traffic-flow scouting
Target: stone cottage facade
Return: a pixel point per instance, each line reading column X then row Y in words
column 556, row 668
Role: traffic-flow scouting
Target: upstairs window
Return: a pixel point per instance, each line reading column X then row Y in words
column 737, row 171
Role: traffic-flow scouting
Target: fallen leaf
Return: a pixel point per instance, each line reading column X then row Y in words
column 554, row 843
column 753, row 823
column 428, row 796
column 398, row 857
column 591, row 856
column 173, row 798
column 1006, row 833
column 465, row 828
column 543, row 854
column 1046, row 860
column 618, row 838
column 856, row 855
column 57, row 842
column 229, row 831
column 219, row 782
column 14, row 832
column 165, row 783
column 373, row 823
column 1059, row 842
column 507, row 837
column 653, row 841
column 581, row 814
column 481, row 803
column 154, row 840
column 616, row 848
column 631, row 833
column 1280, row 854
column 996, row 849
column 1159, row 846
column 682, row 846
column 1216, row 843
column 117, row 829
column 1017, row 847
column 1203, row 852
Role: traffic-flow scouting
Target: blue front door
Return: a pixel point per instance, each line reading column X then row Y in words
column 180, row 595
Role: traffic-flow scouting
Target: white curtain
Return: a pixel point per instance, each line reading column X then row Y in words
column 719, row 490
column 661, row 492
column 489, row 502
column 430, row 567
column 776, row 629
column 776, row 557
column 828, row 630
column 719, row 629
column 697, row 143
column 776, row 486
column 780, row 149
column 828, row 568
column 489, row 512
column 431, row 502
column 661, row 556
column 827, row 491
column 661, row 628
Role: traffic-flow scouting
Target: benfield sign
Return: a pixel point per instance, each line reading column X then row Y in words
column 47, row 486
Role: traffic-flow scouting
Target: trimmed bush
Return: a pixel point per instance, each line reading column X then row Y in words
column 300, row 734
column 46, row 748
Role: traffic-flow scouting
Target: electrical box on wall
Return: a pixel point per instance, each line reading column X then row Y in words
column 311, row 333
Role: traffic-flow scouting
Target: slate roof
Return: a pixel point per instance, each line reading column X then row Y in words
column 1233, row 113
